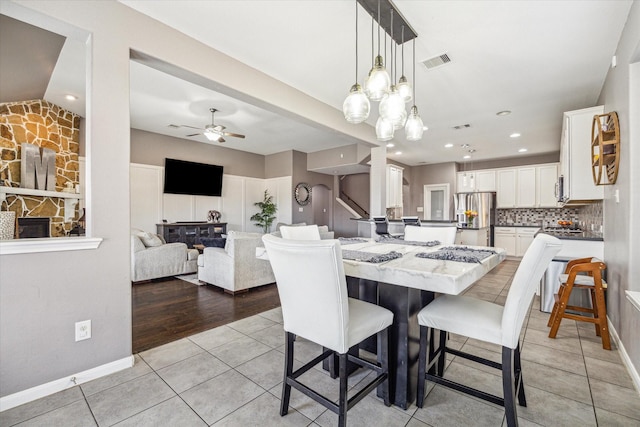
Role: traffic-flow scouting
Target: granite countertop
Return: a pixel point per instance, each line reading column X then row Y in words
column 519, row 225
column 584, row 235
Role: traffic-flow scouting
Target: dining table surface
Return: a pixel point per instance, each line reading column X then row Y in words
column 409, row 270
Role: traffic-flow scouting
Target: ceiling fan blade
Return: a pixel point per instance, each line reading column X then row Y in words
column 193, row 134
column 235, row 135
column 221, row 139
column 192, row 127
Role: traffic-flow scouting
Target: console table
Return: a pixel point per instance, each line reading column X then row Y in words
column 190, row 232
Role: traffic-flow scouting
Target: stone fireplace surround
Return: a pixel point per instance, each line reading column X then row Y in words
column 46, row 125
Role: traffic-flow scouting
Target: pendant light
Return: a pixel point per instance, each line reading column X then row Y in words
column 404, row 88
column 392, row 105
column 356, row 106
column 384, row 129
column 378, row 81
column 414, row 127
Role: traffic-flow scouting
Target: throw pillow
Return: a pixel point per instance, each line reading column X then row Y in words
column 150, row 239
column 213, row 242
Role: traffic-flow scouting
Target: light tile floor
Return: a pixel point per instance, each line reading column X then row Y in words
column 231, row 376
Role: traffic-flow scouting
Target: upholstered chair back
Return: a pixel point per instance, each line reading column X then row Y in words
column 533, row 265
column 312, row 289
column 445, row 235
column 304, row 232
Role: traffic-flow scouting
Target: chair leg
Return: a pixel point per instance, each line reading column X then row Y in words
column 422, row 365
column 522, row 399
column 563, row 300
column 601, row 309
column 554, row 311
column 508, row 381
column 343, row 403
column 288, row 370
column 443, row 354
column 383, row 358
column 594, row 306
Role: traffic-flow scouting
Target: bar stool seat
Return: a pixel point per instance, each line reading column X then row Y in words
column 582, row 273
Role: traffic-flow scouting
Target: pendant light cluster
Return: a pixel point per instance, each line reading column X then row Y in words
column 381, row 86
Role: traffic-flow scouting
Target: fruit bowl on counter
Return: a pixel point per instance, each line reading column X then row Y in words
column 565, row 224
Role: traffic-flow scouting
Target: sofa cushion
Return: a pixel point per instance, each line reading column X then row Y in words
column 215, row 242
column 149, row 239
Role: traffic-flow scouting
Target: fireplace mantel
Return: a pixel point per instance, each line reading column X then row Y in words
column 70, row 202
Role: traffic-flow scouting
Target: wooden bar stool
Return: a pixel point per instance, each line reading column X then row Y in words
column 583, row 273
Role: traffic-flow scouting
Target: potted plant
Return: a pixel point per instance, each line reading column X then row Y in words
column 265, row 217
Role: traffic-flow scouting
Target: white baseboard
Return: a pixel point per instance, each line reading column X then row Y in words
column 633, row 372
column 29, row 395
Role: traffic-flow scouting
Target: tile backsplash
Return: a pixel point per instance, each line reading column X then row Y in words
column 588, row 217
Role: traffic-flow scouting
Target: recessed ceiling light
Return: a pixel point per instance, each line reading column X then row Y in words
column 448, row 145
column 467, row 157
column 522, row 150
column 391, row 145
column 514, row 135
column 71, row 97
column 503, row 113
column 398, row 152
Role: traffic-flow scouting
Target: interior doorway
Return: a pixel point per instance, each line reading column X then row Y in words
column 321, row 205
column 436, row 202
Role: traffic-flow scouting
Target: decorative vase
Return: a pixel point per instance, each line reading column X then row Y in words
column 469, row 222
column 7, row 225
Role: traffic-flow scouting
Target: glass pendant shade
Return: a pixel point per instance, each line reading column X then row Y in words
column 378, row 81
column 414, row 128
column 356, row 106
column 384, row 129
column 400, row 121
column 392, row 107
column 404, row 88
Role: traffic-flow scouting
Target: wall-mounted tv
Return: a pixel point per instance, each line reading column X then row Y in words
column 182, row 177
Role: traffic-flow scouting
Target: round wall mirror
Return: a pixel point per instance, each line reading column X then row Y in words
column 303, row 194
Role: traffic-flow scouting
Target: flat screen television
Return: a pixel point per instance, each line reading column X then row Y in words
column 183, row 177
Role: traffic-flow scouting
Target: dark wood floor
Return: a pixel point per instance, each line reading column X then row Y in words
column 170, row 309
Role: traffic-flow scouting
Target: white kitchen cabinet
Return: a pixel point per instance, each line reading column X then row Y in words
column 478, row 237
column 524, row 238
column 546, row 186
column 465, row 182
column 505, row 237
column 575, row 156
column 506, row 188
column 394, row 186
column 485, row 180
column 526, row 187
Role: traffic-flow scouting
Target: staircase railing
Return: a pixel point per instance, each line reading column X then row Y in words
column 354, row 205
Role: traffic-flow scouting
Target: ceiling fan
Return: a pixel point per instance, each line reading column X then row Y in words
column 214, row 132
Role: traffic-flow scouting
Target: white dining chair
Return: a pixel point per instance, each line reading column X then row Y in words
column 313, row 295
column 488, row 322
column 444, row 235
column 300, row 232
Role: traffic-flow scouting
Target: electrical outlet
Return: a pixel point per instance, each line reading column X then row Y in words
column 83, row 330
column 419, row 209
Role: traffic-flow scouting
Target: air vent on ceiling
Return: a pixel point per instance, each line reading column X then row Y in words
column 460, row 127
column 436, row 61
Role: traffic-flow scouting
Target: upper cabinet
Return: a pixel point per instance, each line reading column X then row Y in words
column 482, row 180
column 506, row 188
column 394, row 186
column 575, row 156
column 546, row 186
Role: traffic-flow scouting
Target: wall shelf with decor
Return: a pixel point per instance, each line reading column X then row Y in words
column 605, row 148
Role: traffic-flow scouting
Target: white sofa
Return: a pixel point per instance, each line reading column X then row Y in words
column 235, row 267
column 159, row 259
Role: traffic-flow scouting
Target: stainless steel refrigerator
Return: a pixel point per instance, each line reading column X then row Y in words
column 482, row 203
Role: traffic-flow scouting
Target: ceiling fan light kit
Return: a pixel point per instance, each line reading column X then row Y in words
column 380, row 86
column 213, row 132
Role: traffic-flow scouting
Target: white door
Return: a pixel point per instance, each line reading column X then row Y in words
column 437, row 202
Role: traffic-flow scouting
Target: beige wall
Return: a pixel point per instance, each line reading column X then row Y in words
column 301, row 174
column 621, row 229
column 511, row 162
column 279, row 164
column 152, row 148
column 441, row 173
